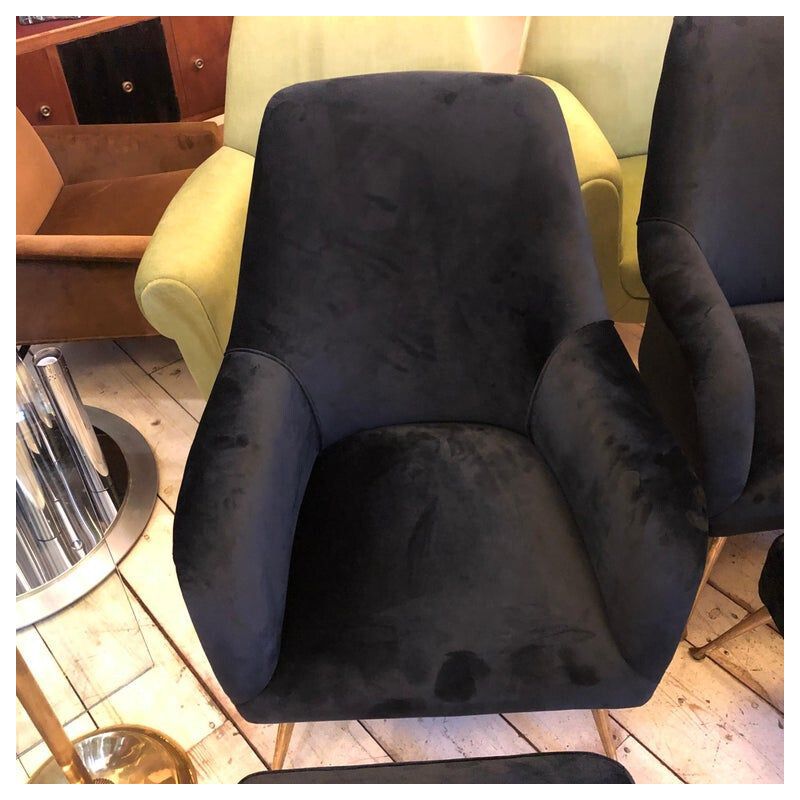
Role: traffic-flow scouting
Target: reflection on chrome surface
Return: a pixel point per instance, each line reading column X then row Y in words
column 126, row 754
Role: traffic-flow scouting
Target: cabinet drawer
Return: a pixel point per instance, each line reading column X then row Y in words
column 121, row 76
column 42, row 94
column 201, row 47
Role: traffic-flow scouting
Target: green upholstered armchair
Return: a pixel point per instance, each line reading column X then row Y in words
column 612, row 66
column 187, row 280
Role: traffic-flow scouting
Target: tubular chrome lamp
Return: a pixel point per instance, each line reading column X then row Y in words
column 84, row 476
column 85, row 487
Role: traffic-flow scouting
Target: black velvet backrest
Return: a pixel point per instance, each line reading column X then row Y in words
column 415, row 247
column 718, row 173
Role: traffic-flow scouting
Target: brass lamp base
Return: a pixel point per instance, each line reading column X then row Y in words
column 125, row 754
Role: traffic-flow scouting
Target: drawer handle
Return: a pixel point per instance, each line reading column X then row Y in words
column 45, row 111
column 127, row 87
column 199, row 63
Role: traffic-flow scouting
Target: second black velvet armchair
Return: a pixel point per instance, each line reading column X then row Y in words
column 711, row 252
column 428, row 481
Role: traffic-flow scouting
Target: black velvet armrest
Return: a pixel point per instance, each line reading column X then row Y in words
column 693, row 307
column 234, row 523
column 639, row 507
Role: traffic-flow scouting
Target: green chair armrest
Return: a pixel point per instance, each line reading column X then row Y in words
column 187, row 279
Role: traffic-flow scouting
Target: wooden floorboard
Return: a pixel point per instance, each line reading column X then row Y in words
column 643, row 765
column 738, row 569
column 177, row 381
column 151, row 353
column 755, row 658
column 447, row 737
column 631, row 335
column 33, row 758
column 135, row 657
column 167, row 696
column 99, row 642
column 553, row 731
column 708, row 727
column 49, row 675
column 224, row 756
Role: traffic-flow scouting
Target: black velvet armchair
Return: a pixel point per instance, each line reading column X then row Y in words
column 428, row 481
column 711, row 253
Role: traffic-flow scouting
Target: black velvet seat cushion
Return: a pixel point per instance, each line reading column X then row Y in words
column 438, row 567
column 538, row 768
column 770, row 584
column 760, row 506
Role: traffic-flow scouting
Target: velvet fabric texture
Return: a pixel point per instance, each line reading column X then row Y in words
column 245, row 476
column 186, row 283
column 760, row 505
column 88, row 199
column 114, row 206
column 628, row 487
column 770, row 584
column 450, row 272
column 101, row 152
column 423, row 584
column 538, row 768
column 38, row 178
column 66, row 299
column 711, row 250
column 630, row 277
column 427, row 480
column 324, row 47
column 612, row 65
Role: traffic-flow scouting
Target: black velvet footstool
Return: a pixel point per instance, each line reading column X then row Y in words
column 535, row 768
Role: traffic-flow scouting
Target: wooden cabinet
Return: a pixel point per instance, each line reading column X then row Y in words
column 42, row 93
column 121, row 76
column 124, row 69
column 201, row 50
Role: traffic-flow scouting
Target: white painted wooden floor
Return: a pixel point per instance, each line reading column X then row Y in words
column 716, row 721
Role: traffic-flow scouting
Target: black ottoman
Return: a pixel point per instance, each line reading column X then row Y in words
column 529, row 768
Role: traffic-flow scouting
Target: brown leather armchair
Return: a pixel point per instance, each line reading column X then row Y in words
column 88, row 198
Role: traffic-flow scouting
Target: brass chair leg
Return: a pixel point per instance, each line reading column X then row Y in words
column 715, row 545
column 41, row 713
column 601, row 720
column 747, row 624
column 282, row 744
